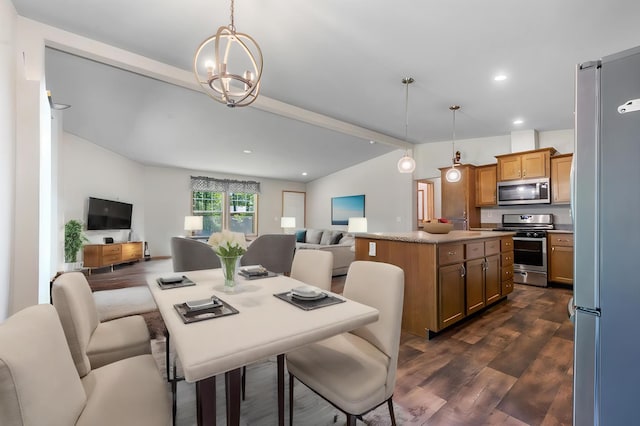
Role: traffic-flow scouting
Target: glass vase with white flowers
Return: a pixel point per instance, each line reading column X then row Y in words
column 229, row 247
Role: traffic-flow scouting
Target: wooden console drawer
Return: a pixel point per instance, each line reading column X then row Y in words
column 109, row 249
column 450, row 253
column 110, row 258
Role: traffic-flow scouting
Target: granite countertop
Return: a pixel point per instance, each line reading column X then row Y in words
column 559, row 231
column 427, row 238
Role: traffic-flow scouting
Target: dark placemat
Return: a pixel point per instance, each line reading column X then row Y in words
column 185, row 282
column 309, row 305
column 204, row 314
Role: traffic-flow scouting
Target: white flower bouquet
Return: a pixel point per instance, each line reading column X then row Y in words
column 228, row 244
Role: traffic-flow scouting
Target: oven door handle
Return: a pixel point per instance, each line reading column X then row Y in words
column 528, row 239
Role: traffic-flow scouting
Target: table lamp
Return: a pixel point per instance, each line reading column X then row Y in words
column 357, row 224
column 192, row 224
column 287, row 223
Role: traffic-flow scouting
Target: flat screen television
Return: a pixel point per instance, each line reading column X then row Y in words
column 107, row 214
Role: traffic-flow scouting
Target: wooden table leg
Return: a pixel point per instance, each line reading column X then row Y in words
column 232, row 382
column 281, row 390
column 206, row 401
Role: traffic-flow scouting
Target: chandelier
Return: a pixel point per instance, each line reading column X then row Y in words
column 453, row 175
column 406, row 164
column 232, row 64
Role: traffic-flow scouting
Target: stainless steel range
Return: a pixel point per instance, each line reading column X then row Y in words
column 529, row 246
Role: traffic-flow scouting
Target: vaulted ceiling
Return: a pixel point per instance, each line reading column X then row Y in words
column 341, row 59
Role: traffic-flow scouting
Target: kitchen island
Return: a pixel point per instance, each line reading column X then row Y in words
column 447, row 276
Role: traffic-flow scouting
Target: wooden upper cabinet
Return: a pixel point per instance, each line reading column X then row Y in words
column 459, row 198
column 524, row 165
column 486, row 178
column 560, row 181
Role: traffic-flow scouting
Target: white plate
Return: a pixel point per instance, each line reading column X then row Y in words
column 316, row 297
column 306, row 291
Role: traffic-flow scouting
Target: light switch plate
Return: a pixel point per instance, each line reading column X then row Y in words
column 372, row 248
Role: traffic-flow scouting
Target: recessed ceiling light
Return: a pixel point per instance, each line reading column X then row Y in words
column 304, row 173
column 247, row 151
column 500, row 77
column 518, row 121
column 372, row 142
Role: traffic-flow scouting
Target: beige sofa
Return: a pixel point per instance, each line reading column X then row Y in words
column 340, row 243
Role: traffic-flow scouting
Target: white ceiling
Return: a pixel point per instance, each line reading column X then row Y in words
column 343, row 59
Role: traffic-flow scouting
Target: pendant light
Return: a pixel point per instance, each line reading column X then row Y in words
column 232, row 63
column 453, row 175
column 406, row 164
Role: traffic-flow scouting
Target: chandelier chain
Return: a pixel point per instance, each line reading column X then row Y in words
column 232, row 25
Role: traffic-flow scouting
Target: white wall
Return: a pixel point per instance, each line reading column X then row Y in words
column 388, row 195
column 161, row 196
column 88, row 170
column 8, row 18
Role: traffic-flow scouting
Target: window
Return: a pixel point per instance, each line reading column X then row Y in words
column 236, row 211
column 225, row 204
column 209, row 205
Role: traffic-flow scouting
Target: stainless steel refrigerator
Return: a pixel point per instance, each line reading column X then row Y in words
column 606, row 213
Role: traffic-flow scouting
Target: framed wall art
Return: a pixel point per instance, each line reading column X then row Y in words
column 342, row 208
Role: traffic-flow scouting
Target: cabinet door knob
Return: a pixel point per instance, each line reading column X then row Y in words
column 463, row 271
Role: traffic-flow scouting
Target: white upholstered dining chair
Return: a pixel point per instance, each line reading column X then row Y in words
column 313, row 267
column 39, row 384
column 94, row 343
column 356, row 371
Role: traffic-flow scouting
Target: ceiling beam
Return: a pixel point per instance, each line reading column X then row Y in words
column 100, row 52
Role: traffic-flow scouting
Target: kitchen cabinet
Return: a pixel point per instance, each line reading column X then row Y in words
column 524, row 165
column 459, row 198
column 486, row 180
column 447, row 277
column 450, row 294
column 560, row 258
column 560, row 178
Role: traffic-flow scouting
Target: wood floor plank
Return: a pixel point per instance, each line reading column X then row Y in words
column 531, row 396
column 474, row 403
column 525, row 348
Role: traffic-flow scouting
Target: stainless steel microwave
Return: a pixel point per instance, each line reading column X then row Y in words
column 527, row 191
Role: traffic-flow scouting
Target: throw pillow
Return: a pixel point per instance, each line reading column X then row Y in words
column 327, row 236
column 313, row 236
column 301, row 235
column 336, row 238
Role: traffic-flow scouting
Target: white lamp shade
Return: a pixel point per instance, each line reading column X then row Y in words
column 287, row 222
column 453, row 175
column 357, row 224
column 193, row 223
column 406, row 164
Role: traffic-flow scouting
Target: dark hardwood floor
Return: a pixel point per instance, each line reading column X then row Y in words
column 510, row 365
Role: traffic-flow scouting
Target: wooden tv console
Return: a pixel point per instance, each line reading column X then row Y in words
column 103, row 255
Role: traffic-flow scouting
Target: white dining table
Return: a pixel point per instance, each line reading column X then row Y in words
column 264, row 326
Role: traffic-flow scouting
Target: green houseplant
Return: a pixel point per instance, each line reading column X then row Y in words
column 73, row 240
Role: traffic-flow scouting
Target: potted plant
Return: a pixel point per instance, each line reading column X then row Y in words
column 73, row 240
